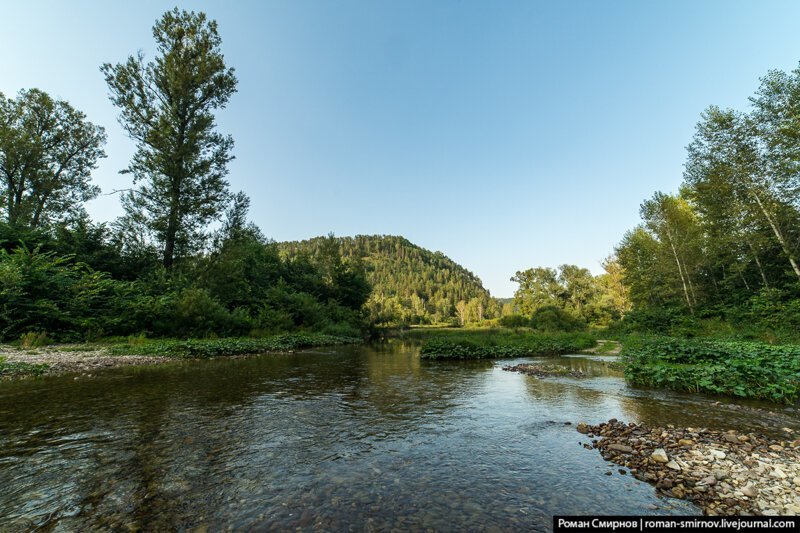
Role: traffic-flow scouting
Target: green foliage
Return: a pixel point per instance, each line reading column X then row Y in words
column 744, row 369
column 47, row 152
column 410, row 285
column 725, row 250
column 568, row 299
column 515, row 321
column 230, row 346
column 167, row 107
column 34, row 339
column 553, row 318
column 549, row 318
column 16, row 369
column 494, row 344
column 43, row 292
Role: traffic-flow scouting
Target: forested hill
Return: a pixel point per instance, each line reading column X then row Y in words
column 411, row 285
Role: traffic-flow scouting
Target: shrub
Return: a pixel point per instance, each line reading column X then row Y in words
column 34, row 339
column 492, row 344
column 552, row 318
column 514, row 321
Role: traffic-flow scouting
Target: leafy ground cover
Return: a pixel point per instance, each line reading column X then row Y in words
column 199, row 348
column 14, row 369
column 493, row 344
column 734, row 368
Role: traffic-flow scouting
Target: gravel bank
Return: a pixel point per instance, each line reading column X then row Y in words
column 66, row 359
column 544, row 370
column 724, row 473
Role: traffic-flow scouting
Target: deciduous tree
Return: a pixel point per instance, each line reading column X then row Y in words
column 167, row 106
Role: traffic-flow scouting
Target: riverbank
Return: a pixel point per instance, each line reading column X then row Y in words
column 57, row 359
column 733, row 368
column 724, row 473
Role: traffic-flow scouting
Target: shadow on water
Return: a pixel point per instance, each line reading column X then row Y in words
column 331, row 438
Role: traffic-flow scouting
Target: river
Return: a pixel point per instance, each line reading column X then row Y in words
column 359, row 437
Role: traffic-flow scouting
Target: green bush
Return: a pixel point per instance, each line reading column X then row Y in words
column 43, row 292
column 34, row 339
column 8, row 369
column 551, row 318
column 514, row 321
column 497, row 344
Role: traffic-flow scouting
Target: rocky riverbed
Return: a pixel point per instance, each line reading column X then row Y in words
column 62, row 359
column 723, row 472
column 543, row 370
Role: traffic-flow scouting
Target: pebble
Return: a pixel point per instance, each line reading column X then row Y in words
column 716, row 454
column 724, row 473
column 731, row 437
column 620, row 448
column 659, row 455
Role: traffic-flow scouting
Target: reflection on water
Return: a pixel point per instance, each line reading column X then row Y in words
column 354, row 437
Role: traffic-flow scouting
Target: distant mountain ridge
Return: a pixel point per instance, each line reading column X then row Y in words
column 411, row 285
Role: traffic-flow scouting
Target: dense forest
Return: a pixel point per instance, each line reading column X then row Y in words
column 410, row 285
column 182, row 261
column 722, row 253
column 719, row 257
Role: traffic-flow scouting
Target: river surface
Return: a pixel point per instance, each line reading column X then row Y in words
column 350, row 438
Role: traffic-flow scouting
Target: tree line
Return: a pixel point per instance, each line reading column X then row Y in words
column 182, row 260
column 721, row 256
column 410, row 285
column 725, row 248
column 569, row 298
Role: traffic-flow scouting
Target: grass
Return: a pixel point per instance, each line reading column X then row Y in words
column 493, row 344
column 201, row 348
column 733, row 368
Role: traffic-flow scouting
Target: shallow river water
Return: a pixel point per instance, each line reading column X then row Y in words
column 353, row 438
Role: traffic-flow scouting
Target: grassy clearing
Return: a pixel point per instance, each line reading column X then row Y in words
column 493, row 344
column 734, row 368
column 200, row 348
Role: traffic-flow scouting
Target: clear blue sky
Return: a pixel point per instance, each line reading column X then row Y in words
column 505, row 134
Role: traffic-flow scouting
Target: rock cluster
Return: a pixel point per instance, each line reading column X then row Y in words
column 724, row 473
column 544, row 370
column 61, row 361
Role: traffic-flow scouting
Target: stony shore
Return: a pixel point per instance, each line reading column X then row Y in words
column 724, row 473
column 543, row 370
column 68, row 359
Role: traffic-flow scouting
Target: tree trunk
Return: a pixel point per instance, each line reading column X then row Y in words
column 680, row 271
column 776, row 230
column 746, row 285
column 758, row 264
column 169, row 239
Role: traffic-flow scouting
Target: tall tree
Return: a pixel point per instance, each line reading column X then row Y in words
column 538, row 287
column 727, row 159
column 579, row 287
column 672, row 221
column 47, row 153
column 613, row 288
column 167, row 106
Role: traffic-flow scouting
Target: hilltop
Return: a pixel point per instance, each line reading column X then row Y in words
column 411, row 285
